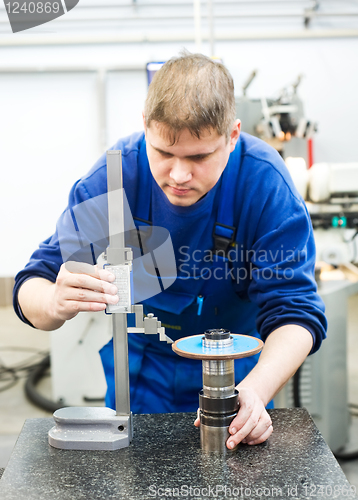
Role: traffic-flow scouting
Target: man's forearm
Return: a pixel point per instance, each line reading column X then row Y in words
column 79, row 287
column 284, row 351
column 35, row 299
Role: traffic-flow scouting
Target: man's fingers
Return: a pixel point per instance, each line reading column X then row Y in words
column 89, row 269
column 261, row 438
column 262, row 426
column 84, row 295
column 247, row 408
column 245, row 412
column 97, row 280
column 245, row 421
column 89, row 283
column 254, row 431
column 75, row 307
column 81, row 287
column 240, row 434
column 197, row 420
column 81, row 268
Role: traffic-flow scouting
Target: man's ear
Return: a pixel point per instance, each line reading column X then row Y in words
column 235, row 134
column 144, row 124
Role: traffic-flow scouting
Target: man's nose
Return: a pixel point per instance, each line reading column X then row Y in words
column 180, row 172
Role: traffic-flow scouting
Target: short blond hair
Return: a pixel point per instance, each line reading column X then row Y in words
column 191, row 92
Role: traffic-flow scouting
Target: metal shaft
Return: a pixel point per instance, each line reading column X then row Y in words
column 219, row 399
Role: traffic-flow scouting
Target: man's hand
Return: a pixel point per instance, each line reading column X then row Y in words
column 82, row 287
column 78, row 287
column 252, row 425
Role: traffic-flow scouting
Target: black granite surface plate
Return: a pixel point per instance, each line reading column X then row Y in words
column 165, row 461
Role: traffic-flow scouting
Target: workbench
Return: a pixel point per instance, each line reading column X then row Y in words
column 165, row 460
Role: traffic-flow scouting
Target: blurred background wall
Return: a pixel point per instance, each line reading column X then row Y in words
column 72, row 87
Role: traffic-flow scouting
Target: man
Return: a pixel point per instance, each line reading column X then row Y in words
column 242, row 239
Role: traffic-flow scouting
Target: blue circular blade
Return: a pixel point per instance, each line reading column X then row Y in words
column 241, row 344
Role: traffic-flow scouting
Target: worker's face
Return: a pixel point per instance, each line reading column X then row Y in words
column 187, row 170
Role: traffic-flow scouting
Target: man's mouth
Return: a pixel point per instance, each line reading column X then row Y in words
column 179, row 191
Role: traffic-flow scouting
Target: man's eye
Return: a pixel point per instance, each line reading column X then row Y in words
column 165, row 155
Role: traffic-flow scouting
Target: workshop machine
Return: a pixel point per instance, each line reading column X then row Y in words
column 330, row 191
column 321, row 385
column 280, row 120
column 331, row 195
column 332, row 201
